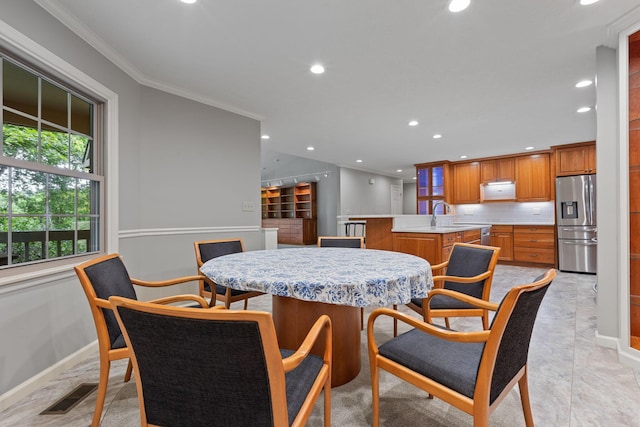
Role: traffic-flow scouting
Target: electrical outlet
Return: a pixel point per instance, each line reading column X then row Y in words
column 468, row 211
column 536, row 211
column 247, row 207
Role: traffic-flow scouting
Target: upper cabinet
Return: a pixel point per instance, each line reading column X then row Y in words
column 433, row 185
column 497, row 170
column 466, row 183
column 533, row 179
column 576, row 160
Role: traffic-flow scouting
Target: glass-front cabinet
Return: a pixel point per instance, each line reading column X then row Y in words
column 433, row 183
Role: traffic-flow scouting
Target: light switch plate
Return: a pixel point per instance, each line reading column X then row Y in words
column 247, row 207
column 536, row 211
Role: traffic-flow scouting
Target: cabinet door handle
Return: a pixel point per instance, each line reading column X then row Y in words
column 533, row 255
column 533, row 240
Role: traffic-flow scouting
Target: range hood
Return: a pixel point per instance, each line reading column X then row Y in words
column 498, row 191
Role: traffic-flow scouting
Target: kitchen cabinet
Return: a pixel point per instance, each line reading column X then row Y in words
column 534, row 244
column 576, row 160
column 378, row 232
column 533, row 180
column 497, row 170
column 466, row 183
column 434, row 247
column 433, row 185
column 502, row 237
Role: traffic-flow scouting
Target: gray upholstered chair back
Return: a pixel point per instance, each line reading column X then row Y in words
column 110, row 278
column 215, row 249
column 197, row 372
column 466, row 261
column 331, row 242
column 514, row 346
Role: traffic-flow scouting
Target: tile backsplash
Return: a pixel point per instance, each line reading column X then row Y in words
column 507, row 213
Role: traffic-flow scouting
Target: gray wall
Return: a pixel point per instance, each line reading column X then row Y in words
column 184, row 170
column 607, row 146
column 409, row 199
column 359, row 197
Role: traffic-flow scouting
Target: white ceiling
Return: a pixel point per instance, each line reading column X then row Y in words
column 492, row 79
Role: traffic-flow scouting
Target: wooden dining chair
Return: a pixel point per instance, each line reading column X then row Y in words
column 473, row 371
column 209, row 249
column 344, row 242
column 102, row 278
column 226, row 357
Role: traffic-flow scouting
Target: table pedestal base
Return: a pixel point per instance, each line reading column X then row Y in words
column 293, row 318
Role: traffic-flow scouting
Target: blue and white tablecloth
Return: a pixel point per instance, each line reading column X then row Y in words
column 344, row 276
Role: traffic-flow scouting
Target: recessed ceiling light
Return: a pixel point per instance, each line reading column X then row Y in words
column 437, row 136
column 584, row 83
column 458, row 5
column 529, row 148
column 584, row 109
column 399, row 170
column 188, row 1
column 317, row 69
column 463, row 157
column 310, row 148
column 265, row 137
column 587, row 2
column 413, row 123
column 358, row 161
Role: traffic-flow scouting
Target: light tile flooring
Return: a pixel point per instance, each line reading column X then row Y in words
column 572, row 381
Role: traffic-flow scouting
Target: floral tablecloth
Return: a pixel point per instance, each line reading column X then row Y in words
column 344, row 276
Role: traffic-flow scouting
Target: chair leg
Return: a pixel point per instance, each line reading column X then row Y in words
column 105, row 365
column 246, row 303
column 446, row 322
column 375, row 396
column 395, row 322
column 127, row 375
column 524, row 399
column 327, row 403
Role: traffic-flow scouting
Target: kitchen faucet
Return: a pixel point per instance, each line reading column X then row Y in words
column 447, row 208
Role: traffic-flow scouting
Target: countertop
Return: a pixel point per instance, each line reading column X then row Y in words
column 440, row 229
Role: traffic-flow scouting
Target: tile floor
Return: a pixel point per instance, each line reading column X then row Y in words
column 572, row 381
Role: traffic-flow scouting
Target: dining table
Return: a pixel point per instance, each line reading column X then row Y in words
column 307, row 282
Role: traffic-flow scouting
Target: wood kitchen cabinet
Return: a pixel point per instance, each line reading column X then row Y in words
column 533, row 180
column 434, row 247
column 535, row 244
column 502, row 237
column 576, row 159
column 378, row 232
column 497, row 170
column 466, row 183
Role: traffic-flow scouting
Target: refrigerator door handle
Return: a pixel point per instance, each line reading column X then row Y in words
column 582, row 229
column 591, row 242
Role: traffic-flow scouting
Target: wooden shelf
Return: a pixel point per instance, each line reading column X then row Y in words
column 293, row 211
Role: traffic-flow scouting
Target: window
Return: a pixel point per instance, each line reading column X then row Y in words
column 50, row 185
column 430, row 187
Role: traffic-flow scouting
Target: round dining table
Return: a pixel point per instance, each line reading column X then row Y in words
column 307, row 282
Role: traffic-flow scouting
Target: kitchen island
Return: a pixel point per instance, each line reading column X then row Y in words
column 413, row 235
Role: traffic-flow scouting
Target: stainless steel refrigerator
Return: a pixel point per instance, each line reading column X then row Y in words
column 576, row 221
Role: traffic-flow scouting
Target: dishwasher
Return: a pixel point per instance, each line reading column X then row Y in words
column 485, row 235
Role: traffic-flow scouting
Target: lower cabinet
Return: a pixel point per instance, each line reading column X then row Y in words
column 434, row 247
column 502, row 237
column 534, row 244
column 294, row 231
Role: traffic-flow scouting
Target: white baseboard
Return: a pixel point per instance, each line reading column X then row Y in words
column 606, row 341
column 39, row 380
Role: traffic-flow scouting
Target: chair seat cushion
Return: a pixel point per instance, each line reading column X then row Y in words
column 446, row 302
column 299, row 382
column 452, row 364
column 119, row 342
column 221, row 290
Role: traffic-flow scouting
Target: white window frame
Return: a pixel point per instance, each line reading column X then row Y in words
column 21, row 45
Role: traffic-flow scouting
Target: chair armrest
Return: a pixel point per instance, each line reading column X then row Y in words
column 480, row 303
column 177, row 298
column 459, row 279
column 103, row 303
column 447, row 334
column 440, row 266
column 168, row 282
column 323, row 324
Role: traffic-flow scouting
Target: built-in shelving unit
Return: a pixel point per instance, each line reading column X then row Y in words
column 292, row 210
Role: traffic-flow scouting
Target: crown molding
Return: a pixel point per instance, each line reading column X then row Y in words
column 86, row 34
column 623, row 23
